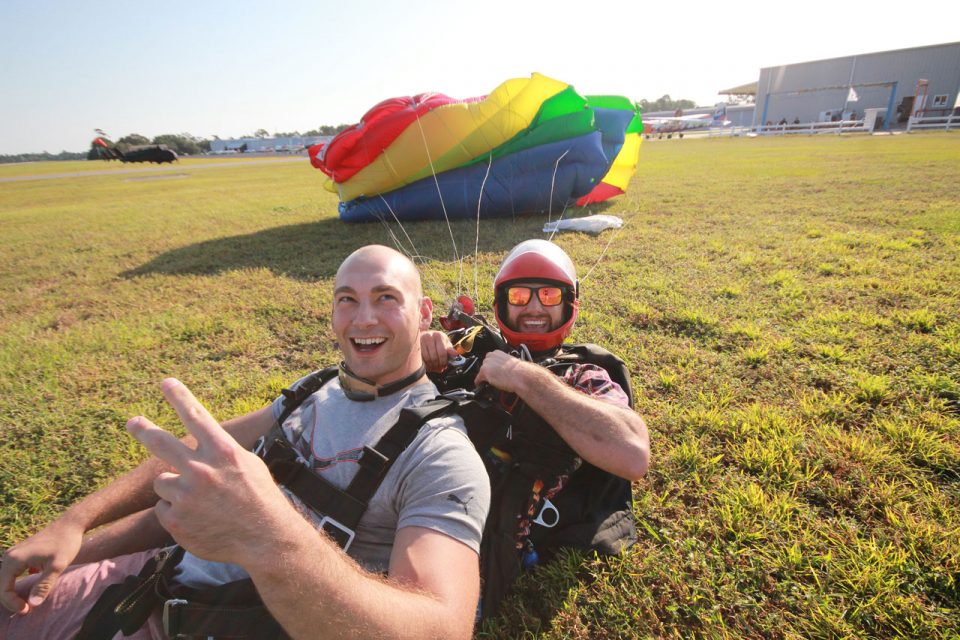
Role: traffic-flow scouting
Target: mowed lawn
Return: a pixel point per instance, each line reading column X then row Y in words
column 788, row 308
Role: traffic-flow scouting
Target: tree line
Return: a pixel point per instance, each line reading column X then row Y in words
column 187, row 144
column 665, row 103
column 324, row 130
column 42, row 157
column 183, row 144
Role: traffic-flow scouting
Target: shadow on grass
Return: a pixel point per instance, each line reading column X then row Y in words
column 313, row 251
column 592, row 209
column 537, row 597
column 308, row 251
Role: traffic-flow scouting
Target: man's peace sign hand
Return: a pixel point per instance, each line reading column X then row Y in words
column 220, row 501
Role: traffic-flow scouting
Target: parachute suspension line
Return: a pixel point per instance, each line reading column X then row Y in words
column 476, row 245
column 456, row 254
column 413, row 254
column 413, row 247
column 553, row 181
column 613, row 236
column 557, row 228
column 396, row 241
column 393, row 236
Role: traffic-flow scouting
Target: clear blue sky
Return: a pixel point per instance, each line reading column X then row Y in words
column 230, row 67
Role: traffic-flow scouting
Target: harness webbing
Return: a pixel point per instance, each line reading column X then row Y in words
column 235, row 609
column 293, row 398
column 184, row 619
column 125, row 606
column 347, row 506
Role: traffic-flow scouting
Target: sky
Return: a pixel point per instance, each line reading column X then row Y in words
column 228, row 68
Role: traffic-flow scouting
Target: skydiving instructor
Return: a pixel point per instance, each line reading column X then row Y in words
column 578, row 394
column 536, row 304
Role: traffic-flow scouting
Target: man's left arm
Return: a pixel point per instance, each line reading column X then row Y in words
column 221, row 504
column 610, row 437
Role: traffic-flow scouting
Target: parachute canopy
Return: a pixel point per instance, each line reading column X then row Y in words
column 533, row 145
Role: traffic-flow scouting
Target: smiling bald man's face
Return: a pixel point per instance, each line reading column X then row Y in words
column 378, row 313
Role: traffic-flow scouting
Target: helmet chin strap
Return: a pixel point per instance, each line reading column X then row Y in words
column 364, row 390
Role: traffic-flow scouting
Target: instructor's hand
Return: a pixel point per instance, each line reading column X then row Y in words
column 49, row 553
column 508, row 373
column 436, row 350
column 220, row 502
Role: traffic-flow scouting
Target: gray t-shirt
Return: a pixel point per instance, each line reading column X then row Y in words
column 438, row 482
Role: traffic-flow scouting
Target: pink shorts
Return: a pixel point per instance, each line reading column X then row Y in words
column 61, row 614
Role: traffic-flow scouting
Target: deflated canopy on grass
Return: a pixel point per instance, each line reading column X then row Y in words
column 532, row 145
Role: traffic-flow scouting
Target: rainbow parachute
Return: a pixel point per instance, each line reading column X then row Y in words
column 534, row 145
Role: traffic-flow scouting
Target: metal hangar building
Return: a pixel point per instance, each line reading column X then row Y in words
column 902, row 83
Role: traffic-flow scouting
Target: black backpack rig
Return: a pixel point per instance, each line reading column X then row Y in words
column 543, row 495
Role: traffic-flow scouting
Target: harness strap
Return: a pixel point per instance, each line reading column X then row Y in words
column 125, row 606
column 182, row 619
column 184, row 614
column 312, row 489
column 376, row 461
column 293, row 398
column 343, row 508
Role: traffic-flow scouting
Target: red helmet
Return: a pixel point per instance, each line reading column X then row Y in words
column 540, row 261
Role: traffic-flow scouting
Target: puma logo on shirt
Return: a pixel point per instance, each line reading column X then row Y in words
column 452, row 497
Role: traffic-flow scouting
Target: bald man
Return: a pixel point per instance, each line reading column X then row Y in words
column 410, row 571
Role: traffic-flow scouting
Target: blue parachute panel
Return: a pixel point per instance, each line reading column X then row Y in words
column 612, row 124
column 550, row 176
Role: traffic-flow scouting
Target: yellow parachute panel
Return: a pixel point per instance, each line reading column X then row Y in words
column 452, row 135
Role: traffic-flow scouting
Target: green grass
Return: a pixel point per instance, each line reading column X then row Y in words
column 788, row 309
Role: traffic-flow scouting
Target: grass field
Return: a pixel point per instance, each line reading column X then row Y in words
column 789, row 310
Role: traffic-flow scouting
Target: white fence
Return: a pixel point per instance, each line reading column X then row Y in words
column 945, row 121
column 809, row 128
column 871, row 122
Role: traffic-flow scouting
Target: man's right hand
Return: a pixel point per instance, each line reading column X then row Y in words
column 436, row 350
column 48, row 553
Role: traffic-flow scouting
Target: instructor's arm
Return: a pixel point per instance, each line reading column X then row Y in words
column 609, row 437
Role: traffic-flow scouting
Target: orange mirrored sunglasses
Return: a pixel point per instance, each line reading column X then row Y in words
column 548, row 296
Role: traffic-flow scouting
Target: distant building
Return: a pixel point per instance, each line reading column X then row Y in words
column 902, row 82
column 287, row 144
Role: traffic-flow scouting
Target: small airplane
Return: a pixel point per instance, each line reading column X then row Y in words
column 679, row 123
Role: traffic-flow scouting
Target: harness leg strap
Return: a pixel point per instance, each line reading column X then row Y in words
column 182, row 619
